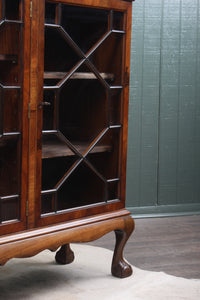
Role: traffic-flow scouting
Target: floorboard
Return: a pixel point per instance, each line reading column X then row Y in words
column 170, row 245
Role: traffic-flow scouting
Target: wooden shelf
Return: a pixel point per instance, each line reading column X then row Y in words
column 8, row 57
column 55, row 148
column 78, row 75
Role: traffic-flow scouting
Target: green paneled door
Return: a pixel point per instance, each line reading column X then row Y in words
column 163, row 171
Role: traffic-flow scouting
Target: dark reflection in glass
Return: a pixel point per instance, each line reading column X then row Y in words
column 9, row 209
column 12, row 9
column 82, row 188
column 11, row 107
column 53, row 170
column 118, row 20
column 48, row 203
column 58, row 52
column 85, row 25
column 115, row 107
column 113, row 190
column 50, row 12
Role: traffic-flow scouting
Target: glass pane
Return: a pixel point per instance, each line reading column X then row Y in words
column 11, row 110
column 9, row 167
column 9, row 209
column 49, row 117
column 12, row 9
column 58, row 51
column 82, row 110
column 1, row 111
column 85, row 25
column 57, row 146
column 54, row 170
column 107, row 162
column 48, row 203
column 82, row 188
column 118, row 20
column 115, row 107
column 50, row 13
column 108, row 57
column 9, row 53
column 113, row 190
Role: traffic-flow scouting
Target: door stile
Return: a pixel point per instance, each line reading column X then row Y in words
column 25, row 112
column 36, row 95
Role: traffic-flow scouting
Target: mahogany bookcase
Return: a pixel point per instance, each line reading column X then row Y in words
column 64, row 88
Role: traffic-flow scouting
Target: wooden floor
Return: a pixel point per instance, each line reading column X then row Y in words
column 171, row 245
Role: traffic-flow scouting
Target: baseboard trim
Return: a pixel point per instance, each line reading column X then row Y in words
column 165, row 211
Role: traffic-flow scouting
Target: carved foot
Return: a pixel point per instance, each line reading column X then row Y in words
column 65, row 255
column 120, row 268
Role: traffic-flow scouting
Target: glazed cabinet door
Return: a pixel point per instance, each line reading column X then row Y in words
column 13, row 117
column 84, row 107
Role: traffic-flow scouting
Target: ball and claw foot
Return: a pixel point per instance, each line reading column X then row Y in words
column 122, row 269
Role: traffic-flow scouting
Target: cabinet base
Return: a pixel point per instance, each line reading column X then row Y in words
column 32, row 242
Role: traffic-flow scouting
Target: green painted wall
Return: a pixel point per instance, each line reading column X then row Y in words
column 163, row 169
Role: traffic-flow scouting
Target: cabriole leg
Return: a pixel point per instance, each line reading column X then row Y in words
column 120, row 268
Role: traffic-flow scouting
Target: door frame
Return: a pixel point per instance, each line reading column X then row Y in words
column 36, row 84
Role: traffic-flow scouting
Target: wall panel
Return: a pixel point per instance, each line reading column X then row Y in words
column 163, row 167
